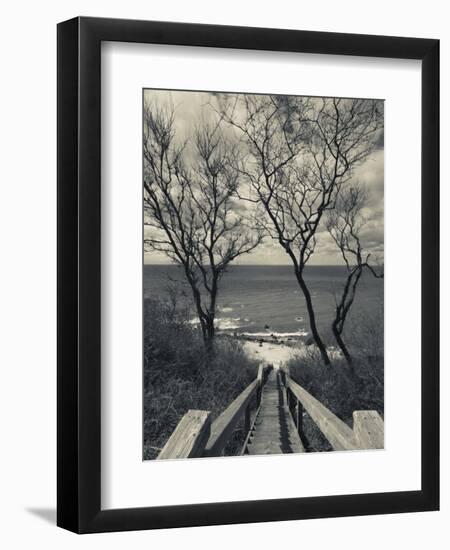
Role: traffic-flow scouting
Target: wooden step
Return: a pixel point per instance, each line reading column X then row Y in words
column 273, row 431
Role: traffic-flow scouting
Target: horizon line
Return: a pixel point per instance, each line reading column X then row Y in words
column 256, row 265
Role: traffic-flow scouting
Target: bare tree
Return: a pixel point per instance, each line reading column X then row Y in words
column 344, row 224
column 299, row 154
column 190, row 193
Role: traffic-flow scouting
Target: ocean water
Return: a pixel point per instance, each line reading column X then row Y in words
column 262, row 300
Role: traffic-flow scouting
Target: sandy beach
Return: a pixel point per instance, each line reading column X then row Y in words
column 276, row 354
column 270, row 353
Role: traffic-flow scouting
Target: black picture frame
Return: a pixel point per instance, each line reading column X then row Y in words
column 79, row 281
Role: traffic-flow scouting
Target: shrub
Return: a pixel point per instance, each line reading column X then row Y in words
column 364, row 332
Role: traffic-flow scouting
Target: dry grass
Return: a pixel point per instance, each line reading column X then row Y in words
column 179, row 376
column 336, row 386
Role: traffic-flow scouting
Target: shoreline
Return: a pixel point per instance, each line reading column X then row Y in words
column 274, row 351
column 270, row 349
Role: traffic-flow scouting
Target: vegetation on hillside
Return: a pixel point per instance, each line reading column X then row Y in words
column 339, row 388
column 179, row 376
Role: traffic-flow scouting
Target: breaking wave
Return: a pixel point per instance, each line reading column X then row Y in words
column 297, row 334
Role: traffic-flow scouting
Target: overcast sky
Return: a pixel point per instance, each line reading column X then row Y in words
column 190, row 105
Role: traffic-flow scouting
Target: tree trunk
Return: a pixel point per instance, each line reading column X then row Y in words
column 206, row 320
column 312, row 320
column 211, row 313
column 208, row 336
column 206, row 316
column 342, row 346
column 342, row 310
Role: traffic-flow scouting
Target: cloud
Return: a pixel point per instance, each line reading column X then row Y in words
column 189, row 106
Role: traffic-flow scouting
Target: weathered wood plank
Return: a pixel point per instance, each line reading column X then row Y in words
column 368, row 427
column 223, row 426
column 340, row 436
column 274, row 429
column 189, row 438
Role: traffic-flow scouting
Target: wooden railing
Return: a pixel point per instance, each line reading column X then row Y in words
column 368, row 426
column 196, row 436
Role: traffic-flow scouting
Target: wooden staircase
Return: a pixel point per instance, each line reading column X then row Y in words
column 273, row 430
column 271, row 409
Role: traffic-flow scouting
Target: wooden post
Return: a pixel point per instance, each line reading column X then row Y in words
column 260, row 378
column 247, row 420
column 189, row 438
column 368, row 427
column 292, row 404
column 260, row 374
column 299, row 418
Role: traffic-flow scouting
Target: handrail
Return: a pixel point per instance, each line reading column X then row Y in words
column 368, row 426
column 224, row 425
column 340, row 436
column 193, row 426
column 189, row 437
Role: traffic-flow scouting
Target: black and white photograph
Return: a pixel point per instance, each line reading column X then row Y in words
column 263, row 274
